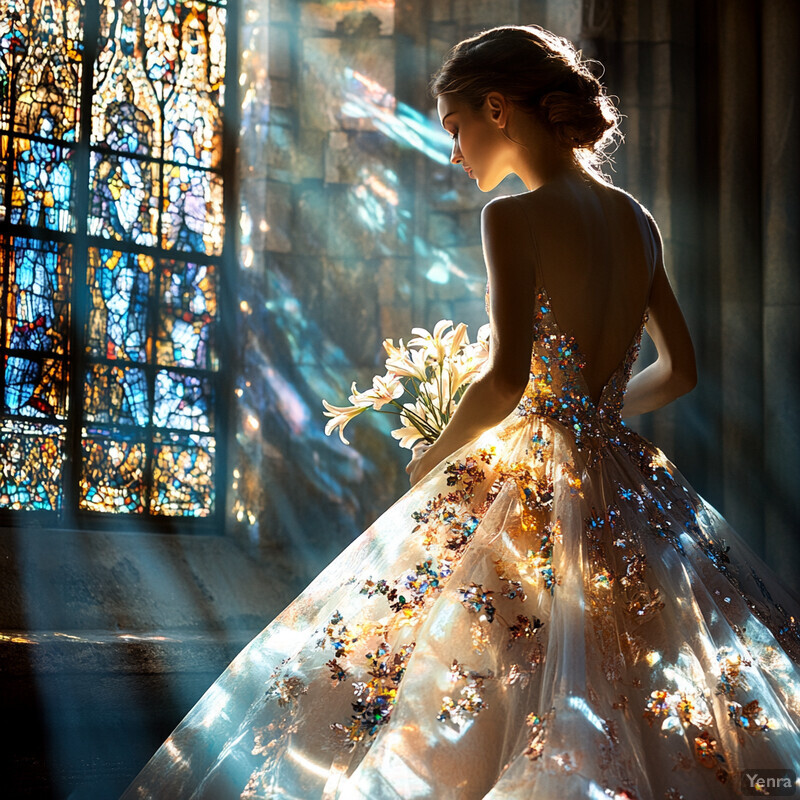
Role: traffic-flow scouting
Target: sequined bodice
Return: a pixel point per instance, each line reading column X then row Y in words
column 557, row 387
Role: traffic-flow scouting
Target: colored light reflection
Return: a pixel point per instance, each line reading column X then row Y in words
column 330, row 271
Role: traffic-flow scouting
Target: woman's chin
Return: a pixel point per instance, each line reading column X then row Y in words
column 481, row 184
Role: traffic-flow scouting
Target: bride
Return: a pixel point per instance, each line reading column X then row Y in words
column 571, row 232
column 551, row 610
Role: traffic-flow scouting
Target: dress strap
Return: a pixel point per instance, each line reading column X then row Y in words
column 654, row 235
column 537, row 271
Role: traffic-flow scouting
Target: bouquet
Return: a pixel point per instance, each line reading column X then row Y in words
column 430, row 373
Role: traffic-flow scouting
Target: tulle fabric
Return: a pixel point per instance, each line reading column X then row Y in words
column 565, row 709
column 553, row 612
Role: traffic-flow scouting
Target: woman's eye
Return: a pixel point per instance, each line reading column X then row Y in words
column 453, row 135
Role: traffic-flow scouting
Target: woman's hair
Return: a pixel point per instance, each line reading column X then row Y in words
column 542, row 73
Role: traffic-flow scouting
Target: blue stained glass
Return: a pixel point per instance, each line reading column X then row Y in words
column 182, row 401
column 192, row 218
column 153, row 181
column 42, row 188
column 192, row 113
column 3, row 159
column 190, row 135
column 183, row 475
column 128, row 128
column 31, row 457
column 37, row 275
column 35, row 387
column 113, row 473
column 22, row 375
column 120, row 285
column 40, row 65
column 116, row 395
column 126, row 112
column 188, row 342
column 188, row 311
column 124, row 199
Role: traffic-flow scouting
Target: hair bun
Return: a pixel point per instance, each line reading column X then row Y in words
column 542, row 73
column 578, row 120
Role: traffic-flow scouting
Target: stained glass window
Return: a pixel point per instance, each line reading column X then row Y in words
column 111, row 246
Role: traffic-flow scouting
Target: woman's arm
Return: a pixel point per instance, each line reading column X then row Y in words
column 674, row 372
column 495, row 394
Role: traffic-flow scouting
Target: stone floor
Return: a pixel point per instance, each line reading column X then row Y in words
column 107, row 640
column 83, row 711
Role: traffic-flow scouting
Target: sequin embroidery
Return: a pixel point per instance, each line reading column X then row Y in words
column 557, row 389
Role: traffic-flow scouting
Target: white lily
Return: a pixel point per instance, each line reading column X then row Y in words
column 465, row 372
column 432, row 343
column 434, row 367
column 359, row 398
column 468, row 365
column 384, row 390
column 455, row 339
column 408, row 436
column 404, row 363
column 410, row 433
column 431, row 390
column 340, row 416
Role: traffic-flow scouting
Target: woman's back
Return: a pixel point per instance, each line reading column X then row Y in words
column 596, row 258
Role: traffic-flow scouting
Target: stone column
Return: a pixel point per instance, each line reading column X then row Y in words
column 740, row 286
column 780, row 219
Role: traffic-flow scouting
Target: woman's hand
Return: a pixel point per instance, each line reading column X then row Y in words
column 420, row 464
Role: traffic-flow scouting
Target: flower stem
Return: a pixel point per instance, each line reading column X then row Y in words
column 418, row 422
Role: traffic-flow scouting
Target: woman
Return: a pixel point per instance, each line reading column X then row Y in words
column 551, row 611
column 599, row 300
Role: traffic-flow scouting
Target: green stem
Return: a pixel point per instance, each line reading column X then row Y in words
column 423, row 396
column 439, row 382
column 417, row 421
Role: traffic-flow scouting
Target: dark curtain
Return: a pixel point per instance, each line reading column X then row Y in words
column 710, row 90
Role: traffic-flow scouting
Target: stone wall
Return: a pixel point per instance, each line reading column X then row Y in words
column 355, row 228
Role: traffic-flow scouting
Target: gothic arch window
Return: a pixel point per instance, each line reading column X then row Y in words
column 112, row 245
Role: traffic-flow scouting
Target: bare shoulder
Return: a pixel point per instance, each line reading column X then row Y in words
column 636, row 203
column 499, row 203
column 501, row 215
column 646, row 214
column 512, row 212
column 657, row 243
column 503, row 220
column 503, row 227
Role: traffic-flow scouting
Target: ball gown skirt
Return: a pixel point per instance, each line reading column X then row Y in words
column 552, row 612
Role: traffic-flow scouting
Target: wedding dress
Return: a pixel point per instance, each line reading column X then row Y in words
column 552, row 613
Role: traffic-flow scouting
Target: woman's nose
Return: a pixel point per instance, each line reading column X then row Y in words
column 455, row 156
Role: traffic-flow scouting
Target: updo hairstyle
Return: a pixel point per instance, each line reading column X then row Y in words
column 542, row 73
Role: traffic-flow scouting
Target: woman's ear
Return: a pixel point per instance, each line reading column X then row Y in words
column 497, row 107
